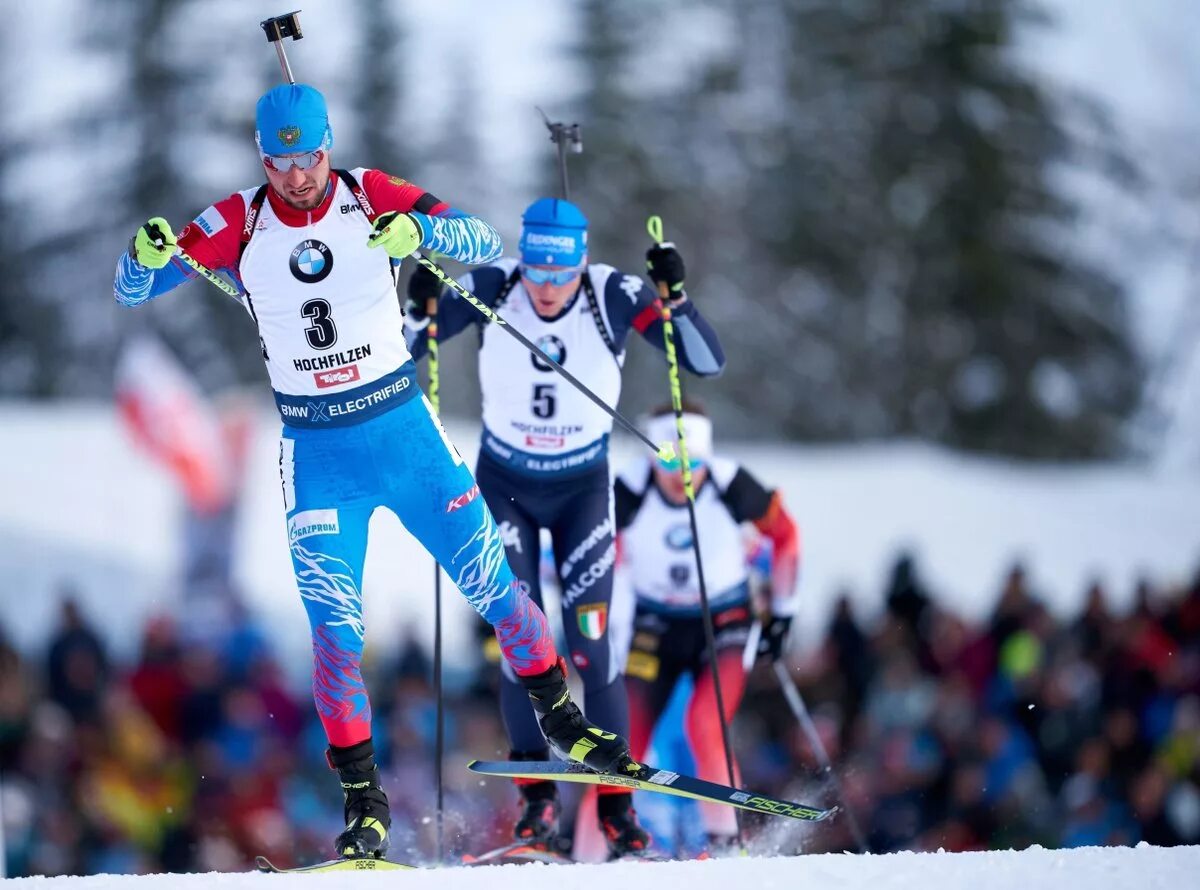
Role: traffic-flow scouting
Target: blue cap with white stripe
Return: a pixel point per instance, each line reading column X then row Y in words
column 554, row 233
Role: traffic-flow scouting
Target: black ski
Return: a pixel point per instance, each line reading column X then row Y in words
column 650, row 779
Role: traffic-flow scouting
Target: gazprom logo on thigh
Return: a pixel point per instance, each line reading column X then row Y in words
column 307, row 523
column 311, row 261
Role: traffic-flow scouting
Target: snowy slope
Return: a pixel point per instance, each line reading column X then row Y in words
column 1149, row 868
column 78, row 503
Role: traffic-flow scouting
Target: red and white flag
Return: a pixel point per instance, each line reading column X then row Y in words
column 171, row 418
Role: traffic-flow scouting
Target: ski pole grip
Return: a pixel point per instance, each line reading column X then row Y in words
column 654, row 226
column 209, row 274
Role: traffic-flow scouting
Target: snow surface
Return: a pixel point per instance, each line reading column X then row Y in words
column 79, row 502
column 1145, row 867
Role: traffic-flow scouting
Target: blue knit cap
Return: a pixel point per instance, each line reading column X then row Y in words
column 554, row 233
column 290, row 119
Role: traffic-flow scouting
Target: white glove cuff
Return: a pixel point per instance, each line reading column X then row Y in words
column 414, row 324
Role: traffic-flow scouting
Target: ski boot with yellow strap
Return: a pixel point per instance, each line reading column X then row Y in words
column 368, row 817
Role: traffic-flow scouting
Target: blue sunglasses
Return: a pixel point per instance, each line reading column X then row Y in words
column 554, row 276
column 674, row 465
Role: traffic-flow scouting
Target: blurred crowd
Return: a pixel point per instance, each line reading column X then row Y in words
column 1026, row 729
column 201, row 755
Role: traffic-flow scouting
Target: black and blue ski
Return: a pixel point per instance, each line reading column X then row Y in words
column 647, row 778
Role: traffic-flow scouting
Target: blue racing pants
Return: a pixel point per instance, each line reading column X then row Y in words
column 333, row 480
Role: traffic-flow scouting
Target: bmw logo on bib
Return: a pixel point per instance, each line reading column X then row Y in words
column 311, row 261
column 553, row 348
column 679, row 537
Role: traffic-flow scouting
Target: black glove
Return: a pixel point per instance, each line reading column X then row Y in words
column 774, row 635
column 423, row 286
column 665, row 266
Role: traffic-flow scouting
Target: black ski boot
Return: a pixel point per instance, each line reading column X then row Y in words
column 618, row 820
column 538, row 824
column 568, row 732
column 367, row 815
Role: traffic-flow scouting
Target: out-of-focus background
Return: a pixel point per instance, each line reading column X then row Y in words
column 949, row 248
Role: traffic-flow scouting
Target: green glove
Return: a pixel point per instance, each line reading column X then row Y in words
column 397, row 233
column 153, row 244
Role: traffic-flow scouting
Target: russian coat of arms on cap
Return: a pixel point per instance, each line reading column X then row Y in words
column 289, row 136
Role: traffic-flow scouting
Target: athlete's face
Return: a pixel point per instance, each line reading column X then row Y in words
column 671, row 482
column 547, row 294
column 302, row 189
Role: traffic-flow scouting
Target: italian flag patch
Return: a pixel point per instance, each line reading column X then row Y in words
column 593, row 620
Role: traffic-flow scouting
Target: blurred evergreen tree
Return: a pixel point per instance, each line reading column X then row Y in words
column 155, row 125
column 767, row 197
column 616, row 180
column 30, row 324
column 452, row 167
column 172, row 109
column 625, row 171
column 871, row 201
column 377, row 103
column 1009, row 341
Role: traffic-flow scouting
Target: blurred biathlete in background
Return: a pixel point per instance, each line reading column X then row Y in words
column 358, row 432
column 655, row 546
column 543, row 462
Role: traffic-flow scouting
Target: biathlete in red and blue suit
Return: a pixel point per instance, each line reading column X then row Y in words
column 314, row 252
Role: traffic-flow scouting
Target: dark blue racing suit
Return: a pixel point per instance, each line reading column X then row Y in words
column 543, row 460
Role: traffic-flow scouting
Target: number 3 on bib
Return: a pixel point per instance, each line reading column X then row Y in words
column 544, row 402
column 322, row 332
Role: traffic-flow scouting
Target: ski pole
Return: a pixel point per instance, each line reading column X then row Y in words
column 210, row 275
column 666, row 451
column 3, row 852
column 431, row 310
column 750, row 651
column 654, row 226
column 796, row 702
